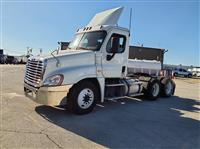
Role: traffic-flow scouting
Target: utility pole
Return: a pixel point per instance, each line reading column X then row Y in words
column 30, row 50
column 40, row 51
column 27, row 50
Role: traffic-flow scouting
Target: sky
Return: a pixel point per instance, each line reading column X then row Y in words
column 171, row 25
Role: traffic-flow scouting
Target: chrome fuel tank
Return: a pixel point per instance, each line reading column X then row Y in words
column 132, row 86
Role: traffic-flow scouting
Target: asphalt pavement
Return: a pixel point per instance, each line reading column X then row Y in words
column 126, row 123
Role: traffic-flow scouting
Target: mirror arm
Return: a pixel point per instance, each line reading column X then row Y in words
column 109, row 57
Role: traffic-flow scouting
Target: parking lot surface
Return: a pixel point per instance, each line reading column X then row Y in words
column 127, row 123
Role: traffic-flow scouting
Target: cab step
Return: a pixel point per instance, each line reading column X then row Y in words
column 120, row 97
column 114, row 85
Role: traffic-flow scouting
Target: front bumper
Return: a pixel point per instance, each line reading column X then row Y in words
column 52, row 96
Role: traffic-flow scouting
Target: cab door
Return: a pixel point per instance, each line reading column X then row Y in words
column 114, row 62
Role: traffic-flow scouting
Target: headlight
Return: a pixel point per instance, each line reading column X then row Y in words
column 54, row 80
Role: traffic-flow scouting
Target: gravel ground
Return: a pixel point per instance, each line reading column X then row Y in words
column 128, row 123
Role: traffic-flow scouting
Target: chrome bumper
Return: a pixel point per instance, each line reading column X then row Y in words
column 52, row 96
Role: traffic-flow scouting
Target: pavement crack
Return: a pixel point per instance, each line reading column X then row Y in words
column 45, row 129
column 42, row 133
column 20, row 131
column 52, row 140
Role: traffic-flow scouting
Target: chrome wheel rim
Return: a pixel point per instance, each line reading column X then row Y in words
column 168, row 88
column 85, row 98
column 155, row 89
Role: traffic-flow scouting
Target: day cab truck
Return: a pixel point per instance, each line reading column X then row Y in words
column 94, row 68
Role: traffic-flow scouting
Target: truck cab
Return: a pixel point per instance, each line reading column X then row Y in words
column 109, row 44
column 92, row 69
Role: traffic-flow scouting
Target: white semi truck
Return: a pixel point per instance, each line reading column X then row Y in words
column 94, row 68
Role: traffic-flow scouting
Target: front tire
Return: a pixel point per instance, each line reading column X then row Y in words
column 189, row 76
column 82, row 98
column 176, row 74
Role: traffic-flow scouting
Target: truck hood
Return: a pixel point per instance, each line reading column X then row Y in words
column 68, row 59
column 62, row 53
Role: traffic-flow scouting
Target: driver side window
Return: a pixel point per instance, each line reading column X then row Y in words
column 121, row 45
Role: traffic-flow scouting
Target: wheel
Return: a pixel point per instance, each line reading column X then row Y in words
column 176, row 74
column 82, row 98
column 153, row 89
column 189, row 76
column 167, row 87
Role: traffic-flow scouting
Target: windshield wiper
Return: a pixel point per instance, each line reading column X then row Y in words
column 83, row 48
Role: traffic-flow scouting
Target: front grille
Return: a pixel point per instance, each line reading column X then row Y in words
column 34, row 72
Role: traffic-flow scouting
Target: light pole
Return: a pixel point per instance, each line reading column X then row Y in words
column 40, row 51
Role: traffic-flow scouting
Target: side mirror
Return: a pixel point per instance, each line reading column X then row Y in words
column 114, row 48
column 115, row 44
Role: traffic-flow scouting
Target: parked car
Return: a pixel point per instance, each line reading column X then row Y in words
column 9, row 59
column 196, row 73
column 2, row 59
column 182, row 72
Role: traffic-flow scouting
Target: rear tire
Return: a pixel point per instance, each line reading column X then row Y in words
column 167, row 87
column 152, row 91
column 82, row 98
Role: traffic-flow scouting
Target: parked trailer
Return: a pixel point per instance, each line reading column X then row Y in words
column 95, row 68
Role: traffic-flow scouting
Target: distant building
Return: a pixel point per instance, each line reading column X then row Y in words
column 10, row 59
column 189, row 68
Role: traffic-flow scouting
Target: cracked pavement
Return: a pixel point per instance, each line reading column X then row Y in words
column 166, row 123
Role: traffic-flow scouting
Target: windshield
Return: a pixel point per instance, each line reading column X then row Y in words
column 88, row 41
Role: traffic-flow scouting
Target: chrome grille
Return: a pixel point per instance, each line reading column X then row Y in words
column 34, row 72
